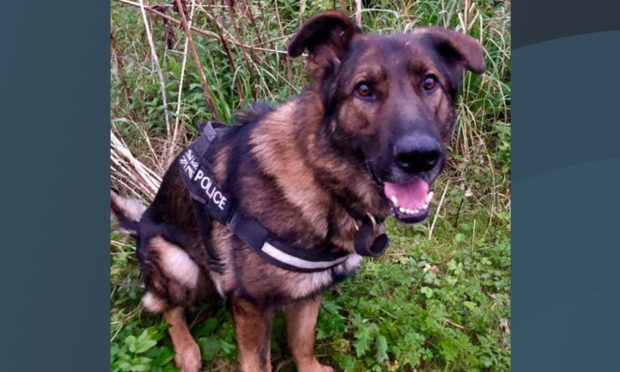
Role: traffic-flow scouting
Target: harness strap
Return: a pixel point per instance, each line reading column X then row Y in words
column 213, row 202
column 189, row 162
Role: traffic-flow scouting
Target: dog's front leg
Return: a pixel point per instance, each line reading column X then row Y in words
column 187, row 356
column 253, row 329
column 300, row 323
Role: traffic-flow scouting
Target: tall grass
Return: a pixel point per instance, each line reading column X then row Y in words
column 450, row 276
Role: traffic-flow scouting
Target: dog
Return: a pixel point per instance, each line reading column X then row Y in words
column 365, row 140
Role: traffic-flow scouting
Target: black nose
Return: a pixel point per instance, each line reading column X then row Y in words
column 418, row 153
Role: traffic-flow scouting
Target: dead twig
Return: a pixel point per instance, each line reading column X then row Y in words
column 205, row 84
column 244, row 53
column 120, row 68
column 136, row 173
column 289, row 70
column 248, row 10
column 443, row 195
column 175, row 133
column 231, row 61
column 160, row 74
column 265, row 25
column 358, row 12
column 202, row 32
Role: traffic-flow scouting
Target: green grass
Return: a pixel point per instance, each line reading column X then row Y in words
column 439, row 300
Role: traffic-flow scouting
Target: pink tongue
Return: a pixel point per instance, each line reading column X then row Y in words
column 410, row 195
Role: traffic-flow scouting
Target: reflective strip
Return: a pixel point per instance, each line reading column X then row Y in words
column 298, row 262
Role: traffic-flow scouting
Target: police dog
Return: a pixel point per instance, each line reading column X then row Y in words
column 367, row 137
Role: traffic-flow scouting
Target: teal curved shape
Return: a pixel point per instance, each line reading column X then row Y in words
column 565, row 268
column 565, row 103
column 565, row 204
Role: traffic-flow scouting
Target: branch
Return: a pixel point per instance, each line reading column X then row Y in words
column 205, row 84
column 206, row 33
column 180, row 93
column 157, row 66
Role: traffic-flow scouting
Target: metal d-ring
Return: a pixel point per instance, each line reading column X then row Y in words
column 374, row 222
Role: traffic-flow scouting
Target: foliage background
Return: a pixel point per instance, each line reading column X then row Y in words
column 439, row 300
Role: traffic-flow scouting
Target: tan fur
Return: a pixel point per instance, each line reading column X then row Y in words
column 252, row 326
column 300, row 322
column 153, row 303
column 221, row 239
column 336, row 167
column 307, row 284
column 176, row 263
column 187, row 356
column 302, row 285
column 276, row 149
column 132, row 208
column 220, row 163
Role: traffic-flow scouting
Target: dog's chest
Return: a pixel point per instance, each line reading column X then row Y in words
column 308, row 284
column 246, row 273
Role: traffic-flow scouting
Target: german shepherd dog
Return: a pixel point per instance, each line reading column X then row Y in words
column 367, row 137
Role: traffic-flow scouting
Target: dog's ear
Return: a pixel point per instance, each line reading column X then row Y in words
column 326, row 36
column 458, row 49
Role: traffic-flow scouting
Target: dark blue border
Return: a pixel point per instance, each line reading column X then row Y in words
column 54, row 255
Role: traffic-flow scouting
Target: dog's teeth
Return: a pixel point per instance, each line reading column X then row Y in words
column 394, row 200
column 429, row 197
column 402, row 210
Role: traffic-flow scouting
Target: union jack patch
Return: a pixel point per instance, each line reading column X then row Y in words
column 189, row 163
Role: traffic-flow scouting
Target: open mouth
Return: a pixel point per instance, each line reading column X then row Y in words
column 409, row 201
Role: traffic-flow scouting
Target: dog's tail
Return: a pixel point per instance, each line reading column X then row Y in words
column 127, row 212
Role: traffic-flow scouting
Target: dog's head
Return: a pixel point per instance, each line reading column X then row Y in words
column 389, row 100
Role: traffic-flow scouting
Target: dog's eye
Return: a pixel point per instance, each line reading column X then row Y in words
column 430, row 82
column 363, row 90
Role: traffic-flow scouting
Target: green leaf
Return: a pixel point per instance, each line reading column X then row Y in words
column 209, row 347
column 449, row 348
column 381, row 349
column 346, row 362
column 459, row 237
column 227, row 347
column 452, row 265
column 470, row 305
column 364, row 338
column 144, row 342
column 161, row 355
column 124, row 366
column 130, row 341
column 428, row 292
column 208, row 327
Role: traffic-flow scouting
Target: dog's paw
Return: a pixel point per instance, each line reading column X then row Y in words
column 314, row 366
column 188, row 359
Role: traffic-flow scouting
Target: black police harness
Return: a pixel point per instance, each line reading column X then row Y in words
column 212, row 202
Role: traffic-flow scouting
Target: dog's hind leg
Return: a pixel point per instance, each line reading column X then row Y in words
column 173, row 281
column 187, row 356
column 300, row 322
column 253, row 329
